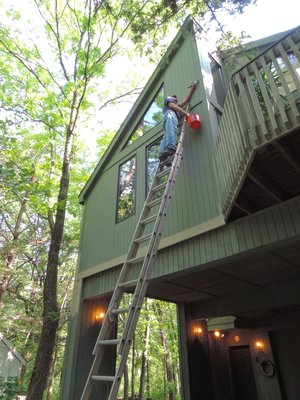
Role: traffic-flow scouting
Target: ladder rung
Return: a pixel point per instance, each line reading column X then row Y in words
column 135, row 260
column 110, row 342
column 143, row 238
column 154, row 202
column 163, row 173
column 128, row 284
column 120, row 310
column 102, row 378
column 158, row 187
column 149, row 219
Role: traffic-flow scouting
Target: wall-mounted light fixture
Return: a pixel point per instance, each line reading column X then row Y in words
column 237, row 338
column 266, row 366
column 100, row 315
column 198, row 331
column 259, row 345
column 218, row 334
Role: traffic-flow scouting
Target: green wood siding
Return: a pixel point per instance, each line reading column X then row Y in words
column 196, row 197
column 249, row 234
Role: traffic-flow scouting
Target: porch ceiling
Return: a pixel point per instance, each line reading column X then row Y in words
column 253, row 272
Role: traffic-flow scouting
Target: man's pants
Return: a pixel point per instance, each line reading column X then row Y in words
column 170, row 132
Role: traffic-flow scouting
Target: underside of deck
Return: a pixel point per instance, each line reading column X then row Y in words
column 251, row 287
column 273, row 177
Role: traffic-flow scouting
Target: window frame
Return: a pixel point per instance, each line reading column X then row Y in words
column 156, row 141
column 117, row 220
column 126, row 145
column 220, row 86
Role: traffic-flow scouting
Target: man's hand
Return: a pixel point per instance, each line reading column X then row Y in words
column 194, row 84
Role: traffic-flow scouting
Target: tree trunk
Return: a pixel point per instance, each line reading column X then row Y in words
column 144, row 356
column 167, row 361
column 52, row 373
column 43, row 359
column 148, row 382
column 132, row 367
column 126, row 383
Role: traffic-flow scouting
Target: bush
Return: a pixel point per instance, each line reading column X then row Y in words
column 9, row 389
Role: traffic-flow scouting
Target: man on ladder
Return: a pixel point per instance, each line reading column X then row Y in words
column 172, row 112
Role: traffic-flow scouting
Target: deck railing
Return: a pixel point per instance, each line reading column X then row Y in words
column 262, row 104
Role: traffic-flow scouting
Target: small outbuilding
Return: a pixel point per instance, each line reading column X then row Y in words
column 11, row 362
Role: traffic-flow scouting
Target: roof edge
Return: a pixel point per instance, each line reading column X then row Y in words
column 258, row 42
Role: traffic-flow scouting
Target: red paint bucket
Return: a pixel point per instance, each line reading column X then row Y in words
column 194, row 121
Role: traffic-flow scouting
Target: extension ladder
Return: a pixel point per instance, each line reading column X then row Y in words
column 164, row 180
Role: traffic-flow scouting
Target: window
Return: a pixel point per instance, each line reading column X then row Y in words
column 151, row 118
column 293, row 64
column 126, row 190
column 152, row 163
column 217, row 75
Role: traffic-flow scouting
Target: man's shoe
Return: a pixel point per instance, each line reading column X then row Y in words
column 168, row 161
column 170, row 152
column 163, row 156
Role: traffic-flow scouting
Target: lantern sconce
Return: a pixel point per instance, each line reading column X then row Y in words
column 99, row 318
column 259, row 345
column 218, row 334
column 198, row 332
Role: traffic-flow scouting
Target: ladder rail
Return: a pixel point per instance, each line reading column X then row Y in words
column 133, row 247
column 145, row 272
column 116, row 298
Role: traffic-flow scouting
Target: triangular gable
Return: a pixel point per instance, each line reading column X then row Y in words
column 125, row 132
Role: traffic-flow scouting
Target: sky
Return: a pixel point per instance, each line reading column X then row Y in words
column 266, row 18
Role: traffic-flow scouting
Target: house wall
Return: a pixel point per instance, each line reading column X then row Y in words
column 196, row 359
column 265, row 229
column 286, row 348
column 194, row 237
column 210, row 368
column 90, row 326
column 195, row 199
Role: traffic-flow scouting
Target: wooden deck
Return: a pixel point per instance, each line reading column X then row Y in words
column 258, row 147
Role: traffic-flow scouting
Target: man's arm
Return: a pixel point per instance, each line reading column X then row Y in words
column 188, row 96
column 175, row 107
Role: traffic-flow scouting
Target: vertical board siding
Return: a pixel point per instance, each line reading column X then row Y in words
column 103, row 239
column 195, row 197
column 89, row 330
column 251, row 233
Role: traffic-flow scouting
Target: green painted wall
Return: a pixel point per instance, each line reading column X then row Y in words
column 266, row 228
column 196, row 197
